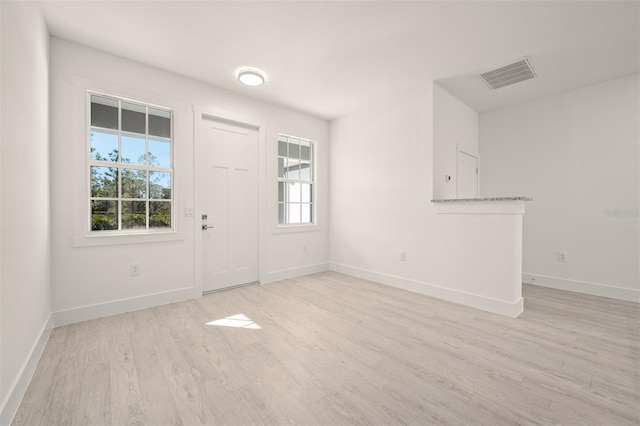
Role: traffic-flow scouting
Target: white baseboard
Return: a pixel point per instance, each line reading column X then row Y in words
column 19, row 386
column 89, row 312
column 285, row 274
column 594, row 289
column 510, row 309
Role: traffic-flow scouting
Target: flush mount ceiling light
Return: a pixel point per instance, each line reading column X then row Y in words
column 251, row 78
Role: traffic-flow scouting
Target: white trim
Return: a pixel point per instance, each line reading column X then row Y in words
column 99, row 310
column 19, row 387
column 502, row 307
column 594, row 289
column 230, row 121
column 470, row 153
column 107, row 240
column 300, row 271
column 79, row 134
column 283, row 229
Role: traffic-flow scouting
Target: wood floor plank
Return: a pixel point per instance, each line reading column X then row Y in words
column 329, row 349
column 156, row 401
column 126, row 398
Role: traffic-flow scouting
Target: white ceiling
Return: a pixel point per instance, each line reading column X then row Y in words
column 329, row 58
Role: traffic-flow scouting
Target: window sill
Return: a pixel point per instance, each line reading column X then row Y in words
column 108, row 240
column 284, row 229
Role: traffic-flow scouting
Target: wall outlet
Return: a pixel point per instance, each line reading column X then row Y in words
column 134, row 269
column 562, row 256
column 403, row 256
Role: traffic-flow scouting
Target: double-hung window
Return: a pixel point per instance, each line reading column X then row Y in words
column 130, row 165
column 295, row 180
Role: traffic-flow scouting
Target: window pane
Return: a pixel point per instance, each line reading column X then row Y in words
column 159, row 214
column 104, row 215
column 139, row 188
column 134, row 215
column 160, row 185
column 294, row 150
column 133, row 150
column 281, row 191
column 281, row 213
column 305, row 216
column 104, row 112
column 134, row 183
column 305, row 150
column 282, row 149
column 294, row 213
column 104, row 182
column 293, row 169
column 306, row 192
column 293, row 192
column 159, row 123
column 104, row 146
column 159, row 153
column 133, row 118
column 281, row 167
column 305, row 171
column 295, row 180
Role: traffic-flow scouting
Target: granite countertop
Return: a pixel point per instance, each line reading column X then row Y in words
column 466, row 200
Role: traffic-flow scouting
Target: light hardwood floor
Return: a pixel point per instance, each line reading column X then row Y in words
column 332, row 350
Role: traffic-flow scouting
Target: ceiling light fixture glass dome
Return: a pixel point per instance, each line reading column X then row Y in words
column 251, row 78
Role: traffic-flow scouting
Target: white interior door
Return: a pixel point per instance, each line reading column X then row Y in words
column 467, row 175
column 227, row 176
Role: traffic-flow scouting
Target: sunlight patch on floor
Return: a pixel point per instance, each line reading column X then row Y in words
column 236, row 321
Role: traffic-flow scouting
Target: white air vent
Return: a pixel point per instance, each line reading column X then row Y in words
column 510, row 74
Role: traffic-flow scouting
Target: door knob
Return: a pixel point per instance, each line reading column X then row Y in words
column 205, row 226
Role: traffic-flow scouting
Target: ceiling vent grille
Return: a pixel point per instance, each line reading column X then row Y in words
column 510, row 74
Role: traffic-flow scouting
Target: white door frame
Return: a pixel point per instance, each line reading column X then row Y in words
column 461, row 150
column 233, row 119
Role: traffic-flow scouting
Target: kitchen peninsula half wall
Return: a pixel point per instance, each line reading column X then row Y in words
column 490, row 267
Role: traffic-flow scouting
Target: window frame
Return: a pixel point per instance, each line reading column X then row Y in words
column 119, row 165
column 302, row 226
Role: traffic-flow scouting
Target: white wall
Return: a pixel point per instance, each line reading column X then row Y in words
column 25, row 246
column 455, row 125
column 381, row 166
column 577, row 155
column 93, row 280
